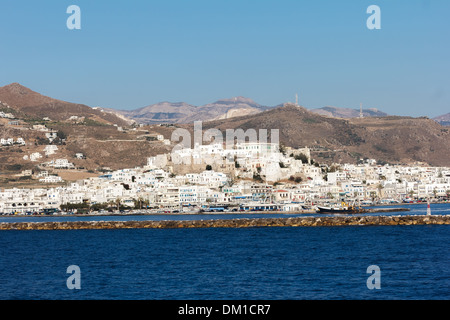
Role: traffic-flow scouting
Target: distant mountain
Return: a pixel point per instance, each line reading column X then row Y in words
column 225, row 109
column 181, row 112
column 32, row 104
column 443, row 120
column 336, row 112
column 163, row 112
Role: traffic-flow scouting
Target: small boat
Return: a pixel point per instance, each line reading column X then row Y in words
column 343, row 208
column 338, row 209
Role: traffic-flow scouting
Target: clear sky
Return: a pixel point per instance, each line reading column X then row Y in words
column 129, row 54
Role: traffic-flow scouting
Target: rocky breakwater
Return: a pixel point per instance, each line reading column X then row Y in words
column 236, row 223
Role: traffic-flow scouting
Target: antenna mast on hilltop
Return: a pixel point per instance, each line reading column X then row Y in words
column 360, row 111
column 296, row 99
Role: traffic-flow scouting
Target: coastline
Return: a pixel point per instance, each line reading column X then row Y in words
column 111, row 214
column 355, row 220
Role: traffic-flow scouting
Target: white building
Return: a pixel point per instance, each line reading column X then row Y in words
column 60, row 164
column 35, row 156
column 51, row 179
column 50, row 149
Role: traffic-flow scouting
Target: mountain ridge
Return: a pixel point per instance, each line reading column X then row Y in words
column 182, row 112
column 34, row 104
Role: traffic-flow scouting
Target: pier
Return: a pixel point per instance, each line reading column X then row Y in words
column 321, row 221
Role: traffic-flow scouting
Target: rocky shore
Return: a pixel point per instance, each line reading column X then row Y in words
column 236, row 223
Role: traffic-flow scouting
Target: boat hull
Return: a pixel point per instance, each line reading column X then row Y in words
column 337, row 210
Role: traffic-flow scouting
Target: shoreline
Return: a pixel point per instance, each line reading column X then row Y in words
column 372, row 210
column 235, row 223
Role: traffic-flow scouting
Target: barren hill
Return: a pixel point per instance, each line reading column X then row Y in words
column 104, row 139
column 163, row 112
column 390, row 139
column 103, row 146
column 32, row 104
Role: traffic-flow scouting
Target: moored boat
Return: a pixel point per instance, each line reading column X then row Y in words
column 322, row 209
column 342, row 208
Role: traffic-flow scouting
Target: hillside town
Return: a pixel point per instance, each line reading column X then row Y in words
column 246, row 177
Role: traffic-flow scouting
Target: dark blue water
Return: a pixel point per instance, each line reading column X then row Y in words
column 255, row 263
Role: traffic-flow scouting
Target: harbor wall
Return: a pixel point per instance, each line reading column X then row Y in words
column 236, row 223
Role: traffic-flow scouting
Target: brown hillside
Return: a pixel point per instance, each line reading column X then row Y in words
column 34, row 104
column 390, row 139
column 102, row 145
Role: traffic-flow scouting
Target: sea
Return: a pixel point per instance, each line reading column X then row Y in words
column 268, row 263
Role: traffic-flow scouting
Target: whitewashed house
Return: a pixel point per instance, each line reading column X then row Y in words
column 51, row 179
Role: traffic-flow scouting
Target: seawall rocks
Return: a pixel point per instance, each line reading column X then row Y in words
column 235, row 223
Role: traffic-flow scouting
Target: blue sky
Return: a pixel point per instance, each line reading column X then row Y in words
column 129, row 54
